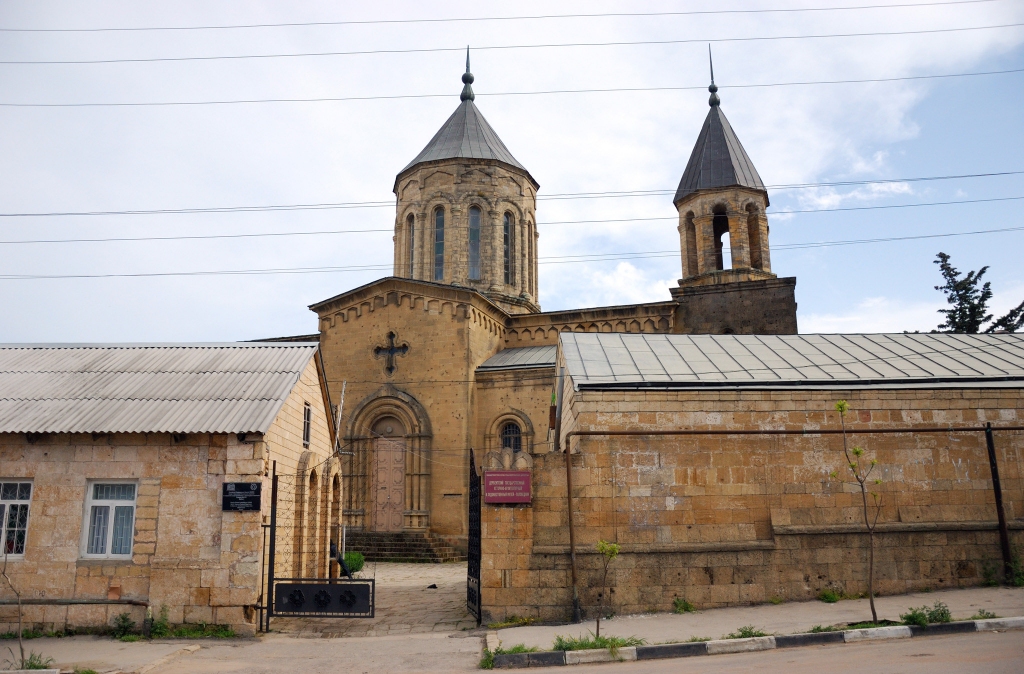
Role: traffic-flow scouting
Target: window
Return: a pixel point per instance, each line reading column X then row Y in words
column 109, row 520
column 512, row 437
column 410, row 223
column 474, row 243
column 439, row 244
column 14, row 500
column 307, row 423
column 510, row 253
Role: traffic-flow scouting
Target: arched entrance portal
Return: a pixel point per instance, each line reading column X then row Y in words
column 386, row 477
column 388, row 474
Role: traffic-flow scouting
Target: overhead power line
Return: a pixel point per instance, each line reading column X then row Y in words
column 561, row 196
column 564, row 259
column 552, row 45
column 340, row 99
column 532, row 17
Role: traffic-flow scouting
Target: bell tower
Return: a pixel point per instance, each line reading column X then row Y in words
column 466, row 212
column 719, row 195
column 727, row 284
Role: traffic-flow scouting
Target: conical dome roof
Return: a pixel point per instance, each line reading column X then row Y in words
column 466, row 135
column 718, row 159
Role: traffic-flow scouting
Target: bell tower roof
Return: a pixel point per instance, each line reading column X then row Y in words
column 718, row 159
column 466, row 134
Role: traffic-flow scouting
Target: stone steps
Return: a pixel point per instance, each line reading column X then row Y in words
column 402, row 547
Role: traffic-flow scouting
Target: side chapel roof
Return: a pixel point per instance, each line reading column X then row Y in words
column 466, row 134
column 718, row 159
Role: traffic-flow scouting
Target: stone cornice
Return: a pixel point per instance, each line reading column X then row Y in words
column 390, row 284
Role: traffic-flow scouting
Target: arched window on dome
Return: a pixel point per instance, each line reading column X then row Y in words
column 439, row 244
column 509, row 236
column 512, row 437
column 474, row 243
column 410, row 226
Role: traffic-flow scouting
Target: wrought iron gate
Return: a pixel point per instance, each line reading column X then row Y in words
column 300, row 575
column 473, row 556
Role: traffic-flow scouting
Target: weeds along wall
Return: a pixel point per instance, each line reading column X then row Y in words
column 727, row 520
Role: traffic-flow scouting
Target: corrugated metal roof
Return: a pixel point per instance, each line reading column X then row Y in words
column 718, row 160
column 609, row 360
column 520, row 357
column 141, row 388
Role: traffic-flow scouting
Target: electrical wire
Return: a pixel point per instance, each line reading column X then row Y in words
column 500, row 93
column 552, row 45
column 565, row 259
column 498, row 18
column 559, row 197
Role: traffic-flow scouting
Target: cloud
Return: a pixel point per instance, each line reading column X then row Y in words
column 875, row 314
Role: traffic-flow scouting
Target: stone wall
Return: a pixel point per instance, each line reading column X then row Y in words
column 202, row 563
column 725, row 520
column 765, row 307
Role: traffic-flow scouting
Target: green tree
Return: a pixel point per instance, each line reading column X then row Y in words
column 862, row 469
column 969, row 298
column 609, row 551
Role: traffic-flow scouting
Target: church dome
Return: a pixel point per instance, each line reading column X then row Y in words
column 466, row 135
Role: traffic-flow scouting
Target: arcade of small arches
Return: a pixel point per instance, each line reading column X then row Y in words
column 500, row 245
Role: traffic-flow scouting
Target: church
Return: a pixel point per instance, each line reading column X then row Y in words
column 453, row 352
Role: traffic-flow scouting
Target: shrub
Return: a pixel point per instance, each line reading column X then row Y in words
column 775, row 600
column 746, row 632
column 123, row 625
column 915, row 616
column 354, row 561
column 939, row 613
column 161, row 626
column 829, row 596
column 982, row 614
column 924, row 616
column 680, row 605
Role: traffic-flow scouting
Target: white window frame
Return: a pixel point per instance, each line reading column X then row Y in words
column 5, row 507
column 90, row 501
column 307, row 424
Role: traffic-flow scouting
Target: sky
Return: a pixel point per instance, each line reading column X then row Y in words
column 100, row 159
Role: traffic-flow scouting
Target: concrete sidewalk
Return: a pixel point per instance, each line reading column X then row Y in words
column 789, row 618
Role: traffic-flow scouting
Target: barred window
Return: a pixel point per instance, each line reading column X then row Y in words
column 14, row 502
column 474, row 243
column 307, row 424
column 109, row 520
column 439, row 244
column 512, row 437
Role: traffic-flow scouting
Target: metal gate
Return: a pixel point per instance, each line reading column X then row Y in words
column 473, row 556
column 300, row 573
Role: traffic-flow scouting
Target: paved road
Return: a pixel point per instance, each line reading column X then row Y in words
column 988, row 653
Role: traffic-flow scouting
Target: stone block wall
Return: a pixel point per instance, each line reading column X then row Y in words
column 725, row 520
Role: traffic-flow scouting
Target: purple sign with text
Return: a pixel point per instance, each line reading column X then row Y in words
column 507, row 486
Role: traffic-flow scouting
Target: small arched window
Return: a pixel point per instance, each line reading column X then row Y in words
column 474, row 243
column 508, row 231
column 512, row 437
column 720, row 229
column 754, row 237
column 439, row 244
column 410, row 225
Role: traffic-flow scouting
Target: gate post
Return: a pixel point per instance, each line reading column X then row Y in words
column 273, row 547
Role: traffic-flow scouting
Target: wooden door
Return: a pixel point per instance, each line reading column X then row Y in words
column 389, row 482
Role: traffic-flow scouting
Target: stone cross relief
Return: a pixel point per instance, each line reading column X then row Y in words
column 389, row 352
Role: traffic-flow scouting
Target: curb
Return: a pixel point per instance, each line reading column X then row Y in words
column 723, row 646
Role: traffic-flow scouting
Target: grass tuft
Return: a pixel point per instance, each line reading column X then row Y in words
column 511, row 621
column 829, row 596
column 827, row 628
column 680, row 605
column 746, row 632
column 982, row 614
column 592, row 642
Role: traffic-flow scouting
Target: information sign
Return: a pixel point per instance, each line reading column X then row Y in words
column 507, row 486
column 241, row 496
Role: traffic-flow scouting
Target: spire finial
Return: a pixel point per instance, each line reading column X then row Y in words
column 714, row 100
column 467, row 79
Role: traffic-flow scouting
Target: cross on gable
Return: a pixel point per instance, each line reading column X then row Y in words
column 389, row 352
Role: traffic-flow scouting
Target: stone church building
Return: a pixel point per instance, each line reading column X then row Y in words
column 453, row 352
